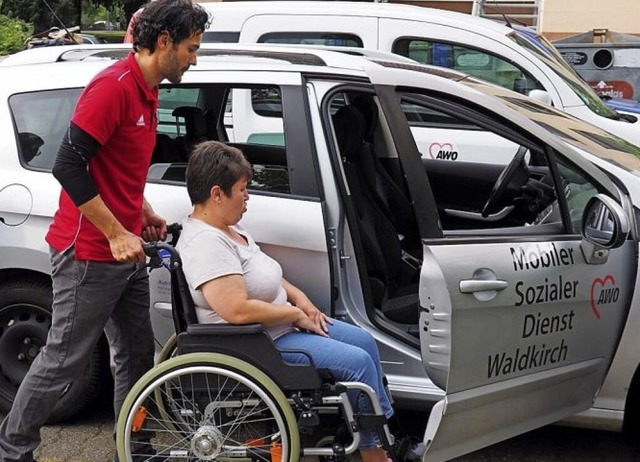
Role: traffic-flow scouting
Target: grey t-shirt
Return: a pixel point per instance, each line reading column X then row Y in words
column 207, row 253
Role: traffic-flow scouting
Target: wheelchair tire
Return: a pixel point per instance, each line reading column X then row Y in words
column 215, row 407
column 169, row 349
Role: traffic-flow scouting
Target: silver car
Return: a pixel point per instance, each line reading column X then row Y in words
column 498, row 293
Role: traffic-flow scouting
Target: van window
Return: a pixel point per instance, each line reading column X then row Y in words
column 313, row 38
column 474, row 62
column 41, row 119
column 220, row 37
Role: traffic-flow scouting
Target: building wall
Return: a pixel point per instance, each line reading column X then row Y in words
column 560, row 18
column 567, row 17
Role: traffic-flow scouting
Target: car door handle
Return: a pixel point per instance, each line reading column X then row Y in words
column 469, row 286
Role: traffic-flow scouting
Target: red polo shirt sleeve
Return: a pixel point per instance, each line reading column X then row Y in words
column 106, row 93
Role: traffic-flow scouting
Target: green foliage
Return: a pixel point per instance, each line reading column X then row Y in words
column 35, row 12
column 106, row 10
column 70, row 12
column 13, row 34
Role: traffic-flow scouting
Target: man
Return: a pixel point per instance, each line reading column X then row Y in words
column 95, row 237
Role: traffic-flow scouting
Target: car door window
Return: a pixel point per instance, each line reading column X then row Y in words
column 447, row 137
column 500, row 189
column 249, row 118
column 474, row 62
column 171, row 98
column 40, row 120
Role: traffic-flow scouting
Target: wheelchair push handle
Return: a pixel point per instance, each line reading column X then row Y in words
column 152, row 250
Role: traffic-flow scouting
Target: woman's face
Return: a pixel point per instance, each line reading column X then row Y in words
column 235, row 204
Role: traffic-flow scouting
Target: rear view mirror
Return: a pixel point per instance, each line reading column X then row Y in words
column 604, row 226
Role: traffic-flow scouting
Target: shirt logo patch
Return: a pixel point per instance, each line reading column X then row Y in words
column 140, row 122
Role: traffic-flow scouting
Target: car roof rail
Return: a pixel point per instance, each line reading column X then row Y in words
column 44, row 55
column 310, row 55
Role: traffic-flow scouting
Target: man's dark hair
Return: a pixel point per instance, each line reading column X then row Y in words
column 213, row 163
column 179, row 18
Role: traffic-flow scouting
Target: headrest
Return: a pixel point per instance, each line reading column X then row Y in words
column 194, row 121
column 349, row 125
column 369, row 109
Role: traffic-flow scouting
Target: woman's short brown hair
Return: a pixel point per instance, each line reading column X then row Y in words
column 213, row 163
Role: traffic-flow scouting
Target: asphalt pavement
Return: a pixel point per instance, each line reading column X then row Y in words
column 88, row 438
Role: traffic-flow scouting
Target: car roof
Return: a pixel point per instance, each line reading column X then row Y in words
column 80, row 52
column 233, row 22
column 76, row 65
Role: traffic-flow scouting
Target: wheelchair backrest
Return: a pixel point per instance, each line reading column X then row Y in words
column 184, row 313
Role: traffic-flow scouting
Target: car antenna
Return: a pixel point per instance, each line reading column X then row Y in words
column 500, row 12
column 505, row 17
column 59, row 20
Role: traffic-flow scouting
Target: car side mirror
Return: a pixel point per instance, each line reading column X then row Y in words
column 605, row 226
column 541, row 96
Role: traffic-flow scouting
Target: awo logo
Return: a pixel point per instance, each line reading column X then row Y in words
column 442, row 151
column 603, row 292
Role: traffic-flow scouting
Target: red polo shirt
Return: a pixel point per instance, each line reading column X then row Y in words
column 118, row 109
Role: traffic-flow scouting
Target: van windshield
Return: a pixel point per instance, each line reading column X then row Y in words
column 547, row 53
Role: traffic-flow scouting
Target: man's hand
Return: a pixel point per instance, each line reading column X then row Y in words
column 154, row 227
column 127, row 247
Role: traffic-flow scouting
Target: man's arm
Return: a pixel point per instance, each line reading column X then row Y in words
column 70, row 169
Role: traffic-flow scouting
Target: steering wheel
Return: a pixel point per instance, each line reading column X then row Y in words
column 515, row 172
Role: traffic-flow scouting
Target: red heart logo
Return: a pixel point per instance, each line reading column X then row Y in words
column 594, row 284
column 435, row 148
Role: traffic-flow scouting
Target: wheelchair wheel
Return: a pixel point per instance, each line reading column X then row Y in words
column 169, row 349
column 215, row 407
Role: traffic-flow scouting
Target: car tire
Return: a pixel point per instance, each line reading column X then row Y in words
column 25, row 319
column 631, row 423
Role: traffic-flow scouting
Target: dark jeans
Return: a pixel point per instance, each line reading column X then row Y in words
column 88, row 297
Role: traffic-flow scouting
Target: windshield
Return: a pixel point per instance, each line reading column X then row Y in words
column 546, row 52
column 572, row 130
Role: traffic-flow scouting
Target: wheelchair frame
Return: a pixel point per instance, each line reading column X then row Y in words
column 225, row 393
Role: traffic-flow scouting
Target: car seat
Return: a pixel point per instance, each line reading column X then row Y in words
column 392, row 291
column 389, row 196
column 195, row 129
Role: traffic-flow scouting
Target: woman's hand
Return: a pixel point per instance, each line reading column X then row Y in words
column 310, row 325
column 299, row 299
column 317, row 317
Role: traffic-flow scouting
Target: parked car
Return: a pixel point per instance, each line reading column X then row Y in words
column 88, row 39
column 512, row 56
column 488, row 304
column 102, row 25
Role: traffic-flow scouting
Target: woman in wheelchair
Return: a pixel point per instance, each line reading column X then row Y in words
column 231, row 280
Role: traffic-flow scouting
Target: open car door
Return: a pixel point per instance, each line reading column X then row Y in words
column 518, row 323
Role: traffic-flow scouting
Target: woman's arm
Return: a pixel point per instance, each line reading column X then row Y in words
column 299, row 299
column 228, row 296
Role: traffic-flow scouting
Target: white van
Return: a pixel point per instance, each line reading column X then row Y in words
column 513, row 57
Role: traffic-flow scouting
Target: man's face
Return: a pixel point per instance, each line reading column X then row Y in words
column 177, row 58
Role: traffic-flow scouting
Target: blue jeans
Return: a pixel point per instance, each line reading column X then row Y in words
column 351, row 354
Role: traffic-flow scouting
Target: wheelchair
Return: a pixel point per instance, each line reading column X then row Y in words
column 223, row 392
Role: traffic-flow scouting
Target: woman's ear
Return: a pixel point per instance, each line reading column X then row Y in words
column 216, row 194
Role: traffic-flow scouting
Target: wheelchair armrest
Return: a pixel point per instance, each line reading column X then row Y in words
column 224, row 329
